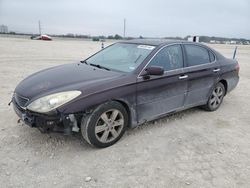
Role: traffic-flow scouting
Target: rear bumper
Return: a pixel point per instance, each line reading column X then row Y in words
column 55, row 122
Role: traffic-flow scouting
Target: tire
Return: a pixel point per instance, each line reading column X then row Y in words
column 216, row 97
column 105, row 125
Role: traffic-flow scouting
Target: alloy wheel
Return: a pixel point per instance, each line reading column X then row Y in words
column 216, row 97
column 109, row 125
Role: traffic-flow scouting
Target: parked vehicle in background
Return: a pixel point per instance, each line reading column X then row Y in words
column 124, row 85
column 40, row 37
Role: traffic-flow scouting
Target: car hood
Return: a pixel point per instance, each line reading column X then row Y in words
column 62, row 78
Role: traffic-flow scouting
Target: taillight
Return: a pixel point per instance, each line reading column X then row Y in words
column 237, row 68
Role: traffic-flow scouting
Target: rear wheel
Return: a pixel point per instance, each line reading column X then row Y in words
column 216, row 97
column 105, row 125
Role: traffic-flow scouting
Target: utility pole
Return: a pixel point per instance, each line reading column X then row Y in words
column 124, row 28
column 39, row 25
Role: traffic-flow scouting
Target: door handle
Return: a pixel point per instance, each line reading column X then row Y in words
column 183, row 77
column 216, row 70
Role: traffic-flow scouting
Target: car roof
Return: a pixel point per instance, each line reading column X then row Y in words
column 154, row 42
column 163, row 42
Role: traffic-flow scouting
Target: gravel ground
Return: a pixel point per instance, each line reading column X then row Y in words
column 192, row 148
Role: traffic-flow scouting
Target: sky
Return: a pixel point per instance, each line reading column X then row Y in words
column 147, row 18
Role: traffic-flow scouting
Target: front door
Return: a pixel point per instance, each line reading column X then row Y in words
column 158, row 95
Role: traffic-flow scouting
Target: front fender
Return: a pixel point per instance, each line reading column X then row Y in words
column 124, row 94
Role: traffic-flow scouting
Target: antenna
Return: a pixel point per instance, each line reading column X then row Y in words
column 40, row 29
column 235, row 50
column 124, row 28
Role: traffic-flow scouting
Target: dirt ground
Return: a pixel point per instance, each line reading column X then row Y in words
column 193, row 148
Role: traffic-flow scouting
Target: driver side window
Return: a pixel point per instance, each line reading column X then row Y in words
column 169, row 58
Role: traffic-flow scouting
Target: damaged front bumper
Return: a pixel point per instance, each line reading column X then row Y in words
column 53, row 122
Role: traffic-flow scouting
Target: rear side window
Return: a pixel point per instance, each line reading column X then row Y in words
column 169, row 58
column 196, row 55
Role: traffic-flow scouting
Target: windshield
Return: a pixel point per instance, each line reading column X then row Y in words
column 120, row 57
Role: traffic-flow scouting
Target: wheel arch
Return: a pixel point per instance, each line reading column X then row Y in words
column 128, row 109
column 225, row 84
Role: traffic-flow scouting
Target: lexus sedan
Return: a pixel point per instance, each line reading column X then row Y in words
column 124, row 85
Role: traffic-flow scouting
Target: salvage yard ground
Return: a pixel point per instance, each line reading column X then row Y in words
column 193, row 148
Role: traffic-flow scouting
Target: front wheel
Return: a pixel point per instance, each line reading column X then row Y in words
column 216, row 97
column 105, row 125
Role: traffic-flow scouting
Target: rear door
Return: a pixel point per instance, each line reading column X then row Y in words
column 202, row 71
column 158, row 95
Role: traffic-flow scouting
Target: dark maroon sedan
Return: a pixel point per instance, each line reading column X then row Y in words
column 124, row 85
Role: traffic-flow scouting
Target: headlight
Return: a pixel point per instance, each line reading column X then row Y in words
column 51, row 102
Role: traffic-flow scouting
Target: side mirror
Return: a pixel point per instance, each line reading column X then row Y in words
column 154, row 70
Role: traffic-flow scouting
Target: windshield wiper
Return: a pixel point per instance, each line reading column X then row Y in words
column 84, row 62
column 99, row 66
column 95, row 65
column 137, row 58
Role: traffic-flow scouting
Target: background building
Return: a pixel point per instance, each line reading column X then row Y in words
column 3, row 29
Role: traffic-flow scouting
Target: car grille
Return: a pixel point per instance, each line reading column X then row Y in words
column 21, row 101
